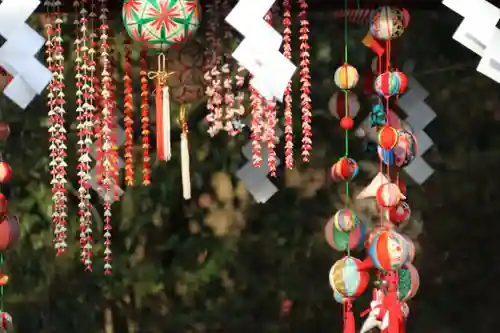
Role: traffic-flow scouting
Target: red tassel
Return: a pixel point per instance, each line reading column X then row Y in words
column 391, row 303
column 159, row 120
column 349, row 321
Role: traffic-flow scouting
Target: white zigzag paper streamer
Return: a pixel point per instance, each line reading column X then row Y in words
column 255, row 179
column 18, row 53
column 478, row 33
column 419, row 115
column 259, row 51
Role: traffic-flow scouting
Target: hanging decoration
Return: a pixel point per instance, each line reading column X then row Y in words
column 483, row 41
column 144, row 23
column 90, row 114
column 84, row 128
column 186, row 88
column 10, row 231
column 225, row 102
column 56, row 117
column 146, row 146
column 128, row 107
column 270, row 122
column 411, row 103
column 287, row 52
column 305, row 82
column 389, row 252
column 107, row 175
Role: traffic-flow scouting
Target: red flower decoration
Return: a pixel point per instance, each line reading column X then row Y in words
column 164, row 17
column 130, row 7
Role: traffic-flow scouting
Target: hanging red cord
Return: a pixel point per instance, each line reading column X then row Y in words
column 305, row 82
column 129, row 116
column 271, row 123
column 287, row 52
column 146, row 168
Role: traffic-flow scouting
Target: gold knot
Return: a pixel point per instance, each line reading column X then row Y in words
column 161, row 74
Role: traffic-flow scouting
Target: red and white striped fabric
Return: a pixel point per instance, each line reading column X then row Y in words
column 355, row 16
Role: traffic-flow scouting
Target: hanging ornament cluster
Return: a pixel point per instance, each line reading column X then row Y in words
column 96, row 106
column 389, row 252
column 10, row 231
column 305, row 82
column 225, row 96
column 144, row 23
column 84, row 69
column 57, row 117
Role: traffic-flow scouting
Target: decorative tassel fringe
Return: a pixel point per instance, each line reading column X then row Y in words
column 163, row 127
column 163, row 119
column 185, row 167
column 349, row 321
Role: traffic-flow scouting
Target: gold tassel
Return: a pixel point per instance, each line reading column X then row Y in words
column 186, row 175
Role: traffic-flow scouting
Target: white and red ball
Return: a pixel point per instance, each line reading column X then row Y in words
column 398, row 214
column 389, row 195
column 338, row 102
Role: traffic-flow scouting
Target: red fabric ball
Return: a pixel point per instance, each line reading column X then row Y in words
column 403, row 82
column 5, row 172
column 347, row 123
column 388, row 137
column 399, row 213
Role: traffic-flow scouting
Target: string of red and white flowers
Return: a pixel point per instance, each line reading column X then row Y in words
column 225, row 107
column 146, row 146
column 213, row 75
column 287, row 52
column 271, row 121
column 129, row 116
column 305, row 82
column 90, row 114
column 105, row 135
column 230, row 113
column 56, row 118
column 84, row 129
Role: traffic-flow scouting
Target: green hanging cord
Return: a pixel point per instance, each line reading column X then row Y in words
column 346, row 101
column 1, row 287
